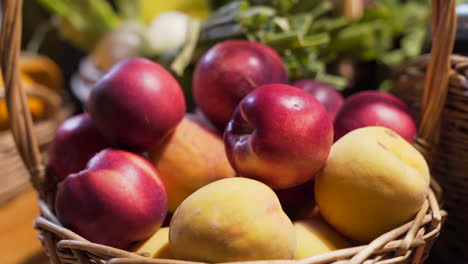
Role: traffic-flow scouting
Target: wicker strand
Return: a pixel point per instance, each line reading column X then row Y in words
column 20, row 118
column 437, row 218
column 436, row 86
column 154, row 261
column 411, row 234
column 96, row 248
column 45, row 211
column 398, row 259
column 49, row 243
column 335, row 256
column 42, row 223
column 419, row 252
column 82, row 259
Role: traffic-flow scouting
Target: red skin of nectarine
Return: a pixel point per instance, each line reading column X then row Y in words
column 374, row 108
column 118, row 200
column 75, row 142
column 229, row 71
column 324, row 93
column 280, row 135
column 136, row 104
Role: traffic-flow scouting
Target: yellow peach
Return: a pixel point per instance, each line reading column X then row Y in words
column 235, row 219
column 157, row 246
column 373, row 181
column 191, row 158
column 314, row 236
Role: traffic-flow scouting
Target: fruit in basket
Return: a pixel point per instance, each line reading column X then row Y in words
column 235, row 219
column 229, row 71
column 117, row 200
column 42, row 70
column 314, row 236
column 191, row 158
column 298, row 200
column 37, row 106
column 75, row 142
column 157, row 246
column 280, row 135
column 324, row 93
column 201, row 119
column 373, row 181
column 136, row 104
column 374, row 108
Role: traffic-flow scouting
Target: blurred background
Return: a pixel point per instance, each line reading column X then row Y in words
column 68, row 45
column 349, row 44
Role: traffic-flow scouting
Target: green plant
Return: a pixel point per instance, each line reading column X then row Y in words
column 309, row 37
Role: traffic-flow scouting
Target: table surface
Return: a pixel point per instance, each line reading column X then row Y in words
column 18, row 238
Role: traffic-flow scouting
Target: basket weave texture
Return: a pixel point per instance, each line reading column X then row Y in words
column 450, row 163
column 409, row 243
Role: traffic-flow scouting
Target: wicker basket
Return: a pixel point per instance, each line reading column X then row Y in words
column 14, row 176
column 450, row 165
column 409, row 243
column 46, row 86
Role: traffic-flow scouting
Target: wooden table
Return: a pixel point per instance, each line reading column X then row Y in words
column 18, row 238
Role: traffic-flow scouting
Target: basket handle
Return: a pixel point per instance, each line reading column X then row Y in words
column 436, row 85
column 21, row 124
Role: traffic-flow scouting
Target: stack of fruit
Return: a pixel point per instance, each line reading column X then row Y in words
column 278, row 187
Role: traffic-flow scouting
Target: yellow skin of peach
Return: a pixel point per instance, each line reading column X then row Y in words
column 314, row 236
column 235, row 219
column 191, row 158
column 157, row 246
column 373, row 181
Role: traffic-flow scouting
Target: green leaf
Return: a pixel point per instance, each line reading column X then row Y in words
column 315, row 40
column 413, row 42
column 393, row 58
column 329, row 24
column 320, row 9
column 338, row 82
column 102, row 13
column 184, row 58
column 385, row 86
column 300, row 23
column 83, row 22
column 280, row 40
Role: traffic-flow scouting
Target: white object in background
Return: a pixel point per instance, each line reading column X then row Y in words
column 167, row 32
column 462, row 21
column 125, row 41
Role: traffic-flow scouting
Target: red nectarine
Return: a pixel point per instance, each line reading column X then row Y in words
column 280, row 135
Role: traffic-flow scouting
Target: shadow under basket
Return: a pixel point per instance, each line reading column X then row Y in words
column 409, row 243
column 449, row 164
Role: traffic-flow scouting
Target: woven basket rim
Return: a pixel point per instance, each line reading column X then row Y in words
column 416, row 237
